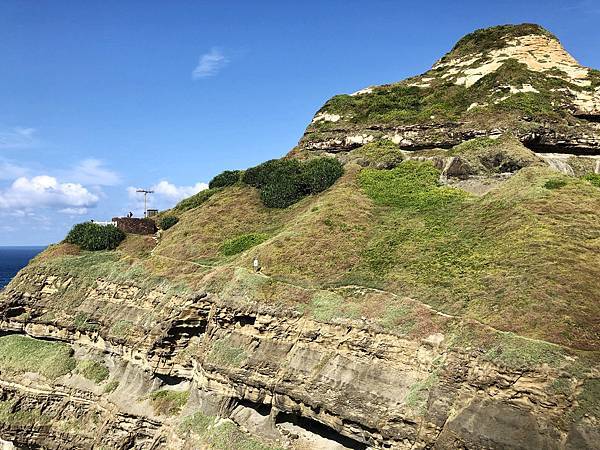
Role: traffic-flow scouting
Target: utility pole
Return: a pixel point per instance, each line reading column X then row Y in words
column 145, row 192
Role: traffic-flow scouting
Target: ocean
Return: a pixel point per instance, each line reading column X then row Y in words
column 13, row 259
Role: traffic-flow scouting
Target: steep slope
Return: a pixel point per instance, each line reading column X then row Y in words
column 441, row 294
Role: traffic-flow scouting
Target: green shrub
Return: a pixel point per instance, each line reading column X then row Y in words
column 91, row 236
column 555, row 183
column 320, row 173
column 593, row 178
column 195, row 200
column 242, row 243
column 167, row 222
column 282, row 182
column 258, row 176
column 224, row 179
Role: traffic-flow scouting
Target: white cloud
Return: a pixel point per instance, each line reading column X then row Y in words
column 210, row 64
column 165, row 194
column 74, row 211
column 17, row 138
column 91, row 171
column 46, row 192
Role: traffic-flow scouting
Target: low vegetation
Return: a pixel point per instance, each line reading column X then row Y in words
column 92, row 370
column 166, row 222
column 195, row 200
column 227, row 353
column 226, row 178
column 212, row 433
column 19, row 354
column 91, row 236
column 168, row 402
column 242, row 243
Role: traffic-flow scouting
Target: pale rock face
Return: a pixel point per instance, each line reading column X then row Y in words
column 362, row 91
column 326, row 117
column 540, row 54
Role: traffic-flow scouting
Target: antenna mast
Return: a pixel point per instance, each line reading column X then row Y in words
column 145, row 192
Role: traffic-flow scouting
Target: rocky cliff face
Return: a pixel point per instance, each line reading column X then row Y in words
column 281, row 376
column 507, row 78
column 442, row 294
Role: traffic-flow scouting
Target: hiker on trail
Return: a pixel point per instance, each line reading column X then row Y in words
column 255, row 264
column 130, row 215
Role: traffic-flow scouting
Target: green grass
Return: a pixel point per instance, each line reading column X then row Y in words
column 380, row 154
column 493, row 38
column 417, row 396
column 555, row 183
column 111, row 386
column 195, row 200
column 12, row 412
column 593, row 178
column 92, row 370
column 19, row 354
column 167, row 402
column 242, row 243
column 219, row 435
column 224, row 352
column 588, row 400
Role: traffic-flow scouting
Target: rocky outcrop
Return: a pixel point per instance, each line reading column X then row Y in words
column 287, row 377
column 514, row 78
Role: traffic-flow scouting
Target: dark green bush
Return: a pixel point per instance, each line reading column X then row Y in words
column 242, row 243
column 555, row 183
column 258, row 176
column 167, row 222
column 282, row 193
column 226, row 178
column 593, row 178
column 282, row 182
column 91, row 236
column 320, row 173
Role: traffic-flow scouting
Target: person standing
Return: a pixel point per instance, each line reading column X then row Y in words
column 256, row 264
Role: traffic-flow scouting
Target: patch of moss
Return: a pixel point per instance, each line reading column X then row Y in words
column 242, row 243
column 593, row 178
column 24, row 354
column 417, row 396
column 211, row 433
column 555, row 183
column 111, row 386
column 380, row 154
column 11, row 413
column 121, row 328
column 92, row 370
column 588, row 400
column 167, row 402
column 493, row 38
column 226, row 353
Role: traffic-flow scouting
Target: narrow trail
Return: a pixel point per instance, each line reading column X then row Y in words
column 391, row 294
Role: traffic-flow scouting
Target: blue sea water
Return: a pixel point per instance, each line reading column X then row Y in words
column 13, row 259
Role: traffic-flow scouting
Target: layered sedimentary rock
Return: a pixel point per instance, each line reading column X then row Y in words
column 350, row 385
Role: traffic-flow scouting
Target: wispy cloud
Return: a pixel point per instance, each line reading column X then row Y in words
column 210, row 64
column 93, row 172
column 17, row 138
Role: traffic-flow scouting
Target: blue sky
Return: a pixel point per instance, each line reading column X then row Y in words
column 99, row 97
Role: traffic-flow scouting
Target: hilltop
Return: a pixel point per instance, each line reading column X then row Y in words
column 430, row 254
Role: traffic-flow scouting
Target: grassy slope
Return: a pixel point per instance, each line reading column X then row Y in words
column 522, row 258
